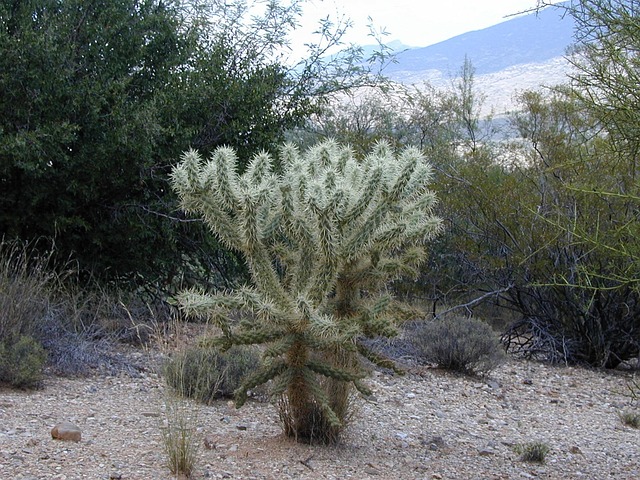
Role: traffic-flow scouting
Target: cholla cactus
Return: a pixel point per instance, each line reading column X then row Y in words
column 322, row 232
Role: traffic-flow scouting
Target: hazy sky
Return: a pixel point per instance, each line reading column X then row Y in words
column 416, row 23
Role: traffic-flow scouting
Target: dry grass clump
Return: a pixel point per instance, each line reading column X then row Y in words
column 180, row 435
column 206, row 373
column 535, row 452
column 630, row 419
column 47, row 318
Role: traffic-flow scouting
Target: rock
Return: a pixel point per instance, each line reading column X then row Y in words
column 66, row 431
column 371, row 470
column 209, row 442
column 435, row 443
column 575, row 450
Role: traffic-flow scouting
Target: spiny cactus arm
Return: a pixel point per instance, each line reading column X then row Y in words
column 376, row 325
column 389, row 236
column 185, row 176
column 414, row 256
column 320, row 397
column 359, row 242
column 334, row 372
column 422, row 178
column 259, row 168
column 398, row 191
column 193, row 186
column 251, row 337
column 281, row 383
column 196, row 302
column 345, row 342
column 301, row 237
column 362, row 388
column 424, row 229
column 259, row 303
column 258, row 256
column 379, row 359
column 225, row 161
column 281, row 346
column 367, row 195
column 262, row 375
column 392, row 268
column 288, row 154
column 217, row 219
column 325, row 277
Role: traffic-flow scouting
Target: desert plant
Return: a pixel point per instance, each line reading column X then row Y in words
column 458, row 343
column 321, row 232
column 630, row 419
column 532, row 452
column 27, row 284
column 205, row 374
column 180, row 436
column 22, row 360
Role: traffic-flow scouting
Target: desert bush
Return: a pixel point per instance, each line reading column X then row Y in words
column 206, row 374
column 22, row 360
column 460, row 344
column 630, row 419
column 322, row 233
column 26, row 289
column 533, row 451
column 76, row 325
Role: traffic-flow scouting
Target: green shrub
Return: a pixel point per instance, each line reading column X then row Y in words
column 460, row 344
column 206, row 374
column 21, row 362
column 532, row 452
column 630, row 419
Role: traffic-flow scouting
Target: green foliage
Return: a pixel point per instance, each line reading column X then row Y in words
column 576, row 276
column 460, row 344
column 97, row 100
column 22, row 360
column 535, row 452
column 320, row 239
column 630, row 419
column 75, row 325
column 206, row 374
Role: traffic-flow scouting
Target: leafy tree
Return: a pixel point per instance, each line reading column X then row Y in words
column 321, row 239
column 98, row 97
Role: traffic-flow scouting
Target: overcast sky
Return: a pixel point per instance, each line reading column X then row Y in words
column 416, row 23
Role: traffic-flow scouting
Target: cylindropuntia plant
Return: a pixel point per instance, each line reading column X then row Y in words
column 322, row 233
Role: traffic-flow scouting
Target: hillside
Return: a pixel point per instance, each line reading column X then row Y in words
column 524, row 52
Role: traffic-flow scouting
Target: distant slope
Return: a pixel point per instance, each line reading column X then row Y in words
column 522, row 40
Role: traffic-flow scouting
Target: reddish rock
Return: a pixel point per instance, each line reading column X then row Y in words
column 66, row 431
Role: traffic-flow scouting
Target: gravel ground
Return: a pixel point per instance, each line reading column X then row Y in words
column 426, row 425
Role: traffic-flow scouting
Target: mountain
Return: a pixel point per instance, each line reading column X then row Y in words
column 521, row 53
column 525, row 39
